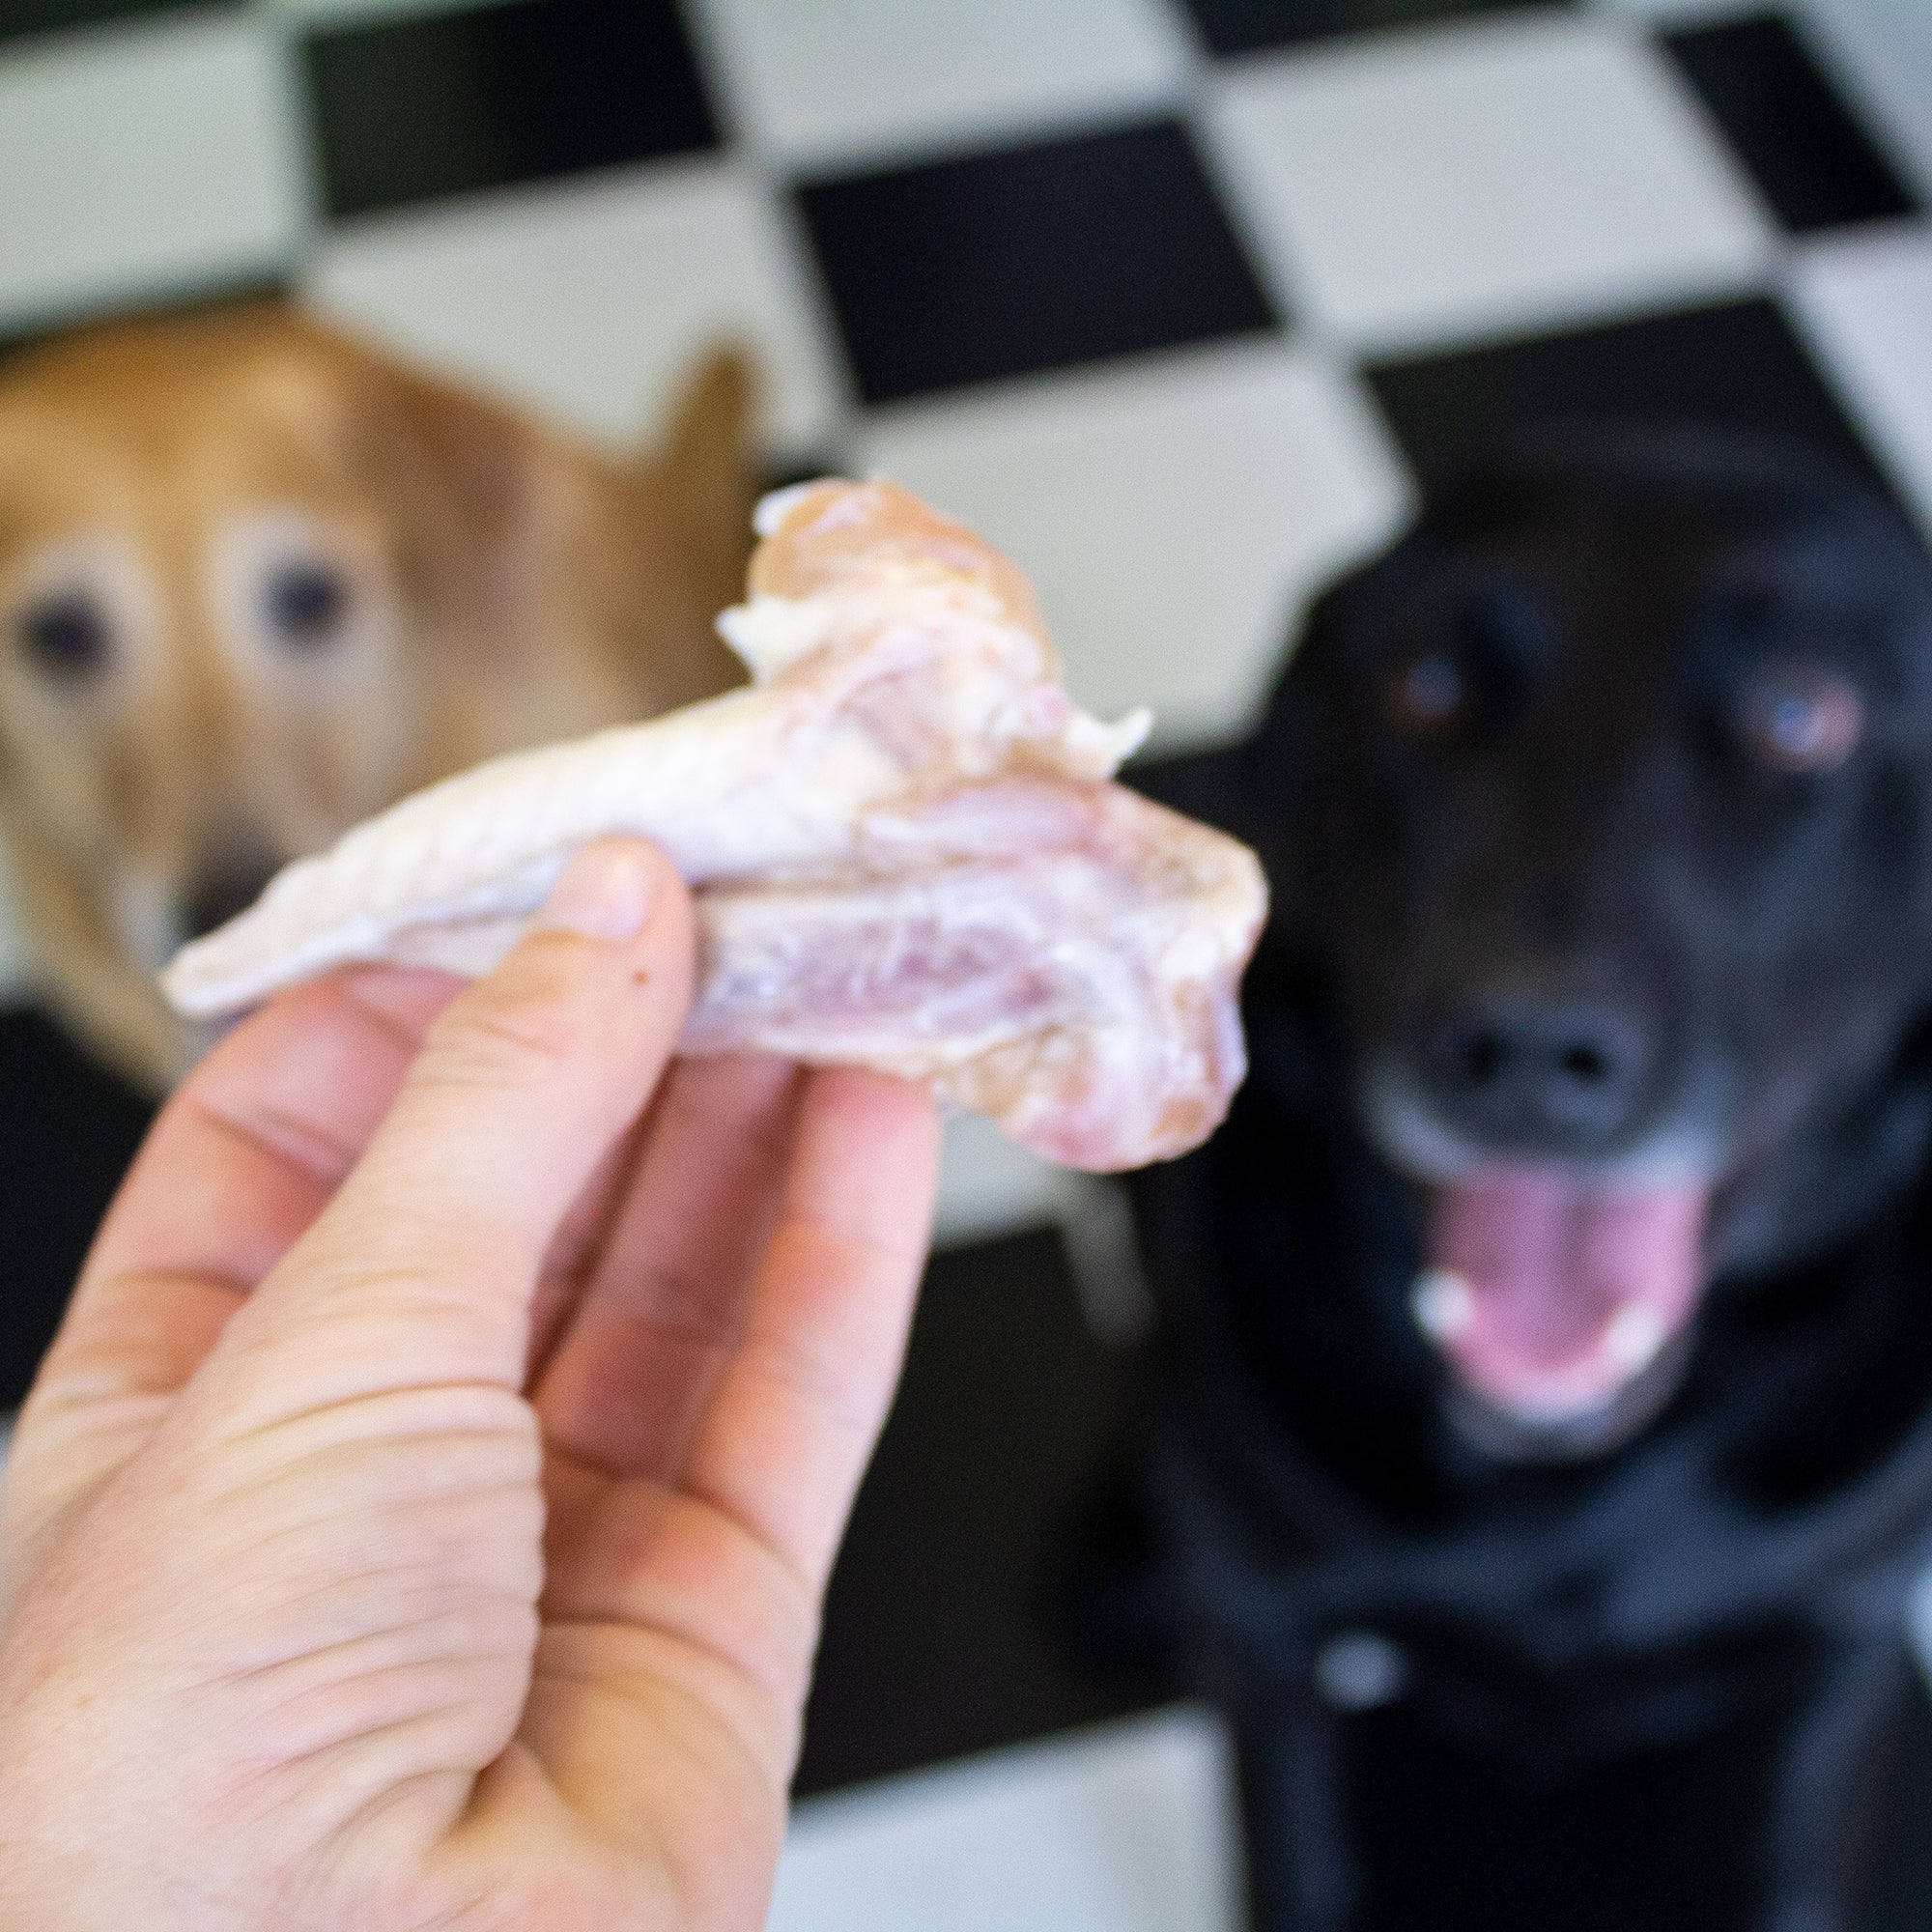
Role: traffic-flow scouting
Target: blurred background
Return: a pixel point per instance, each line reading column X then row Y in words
column 1175, row 303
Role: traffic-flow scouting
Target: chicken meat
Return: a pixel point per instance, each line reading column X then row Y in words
column 905, row 844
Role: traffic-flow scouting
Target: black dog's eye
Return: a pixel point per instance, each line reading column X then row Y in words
column 304, row 604
column 66, row 635
column 1426, row 696
column 1801, row 718
column 1468, row 664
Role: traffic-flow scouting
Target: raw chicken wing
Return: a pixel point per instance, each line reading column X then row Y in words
column 905, row 851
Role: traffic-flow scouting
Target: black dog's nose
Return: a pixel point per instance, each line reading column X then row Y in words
column 1554, row 1077
column 218, row 896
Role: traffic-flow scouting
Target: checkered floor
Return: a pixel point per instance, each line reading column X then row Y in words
column 1174, row 301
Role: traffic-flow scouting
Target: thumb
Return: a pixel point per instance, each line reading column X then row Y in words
column 423, row 1267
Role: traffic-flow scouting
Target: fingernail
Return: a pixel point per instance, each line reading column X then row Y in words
column 603, row 893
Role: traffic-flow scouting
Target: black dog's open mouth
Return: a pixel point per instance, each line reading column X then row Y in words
column 1547, row 1295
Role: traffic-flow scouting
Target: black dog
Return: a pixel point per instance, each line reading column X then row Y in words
column 1545, row 1452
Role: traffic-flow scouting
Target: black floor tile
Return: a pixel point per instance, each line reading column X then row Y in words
column 414, row 109
column 946, row 1626
column 804, row 466
column 1736, row 365
column 67, row 1133
column 1812, row 161
column 1243, row 26
column 19, row 17
column 1031, row 258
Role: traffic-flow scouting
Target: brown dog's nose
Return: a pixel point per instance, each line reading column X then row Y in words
column 1537, row 1076
column 219, row 894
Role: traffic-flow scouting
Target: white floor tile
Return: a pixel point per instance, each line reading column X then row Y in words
column 1174, row 513
column 1414, row 190
column 1880, row 52
column 988, row 1187
column 1865, row 302
column 1126, row 1828
column 589, row 298
column 144, row 162
column 15, row 961
column 839, row 80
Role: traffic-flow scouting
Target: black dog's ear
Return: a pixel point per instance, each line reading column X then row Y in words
column 1278, row 761
column 1280, row 745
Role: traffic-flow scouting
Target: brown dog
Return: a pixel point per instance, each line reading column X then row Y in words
column 257, row 580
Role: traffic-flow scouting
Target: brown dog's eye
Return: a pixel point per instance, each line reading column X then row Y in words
column 66, row 636
column 304, row 604
column 1800, row 719
column 1426, row 696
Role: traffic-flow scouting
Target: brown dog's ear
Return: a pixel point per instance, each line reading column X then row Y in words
column 456, row 473
column 705, row 465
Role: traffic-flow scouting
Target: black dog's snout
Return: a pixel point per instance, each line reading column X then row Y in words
column 1558, row 1077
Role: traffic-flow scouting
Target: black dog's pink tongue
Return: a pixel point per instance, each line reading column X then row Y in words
column 1545, row 1298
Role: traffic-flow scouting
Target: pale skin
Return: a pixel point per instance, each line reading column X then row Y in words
column 422, row 1519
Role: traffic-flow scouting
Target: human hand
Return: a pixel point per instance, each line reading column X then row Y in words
column 422, row 1516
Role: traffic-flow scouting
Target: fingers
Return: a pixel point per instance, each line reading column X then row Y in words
column 424, row 1263
column 797, row 1410
column 241, row 1160
column 664, row 1305
column 259, row 1136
